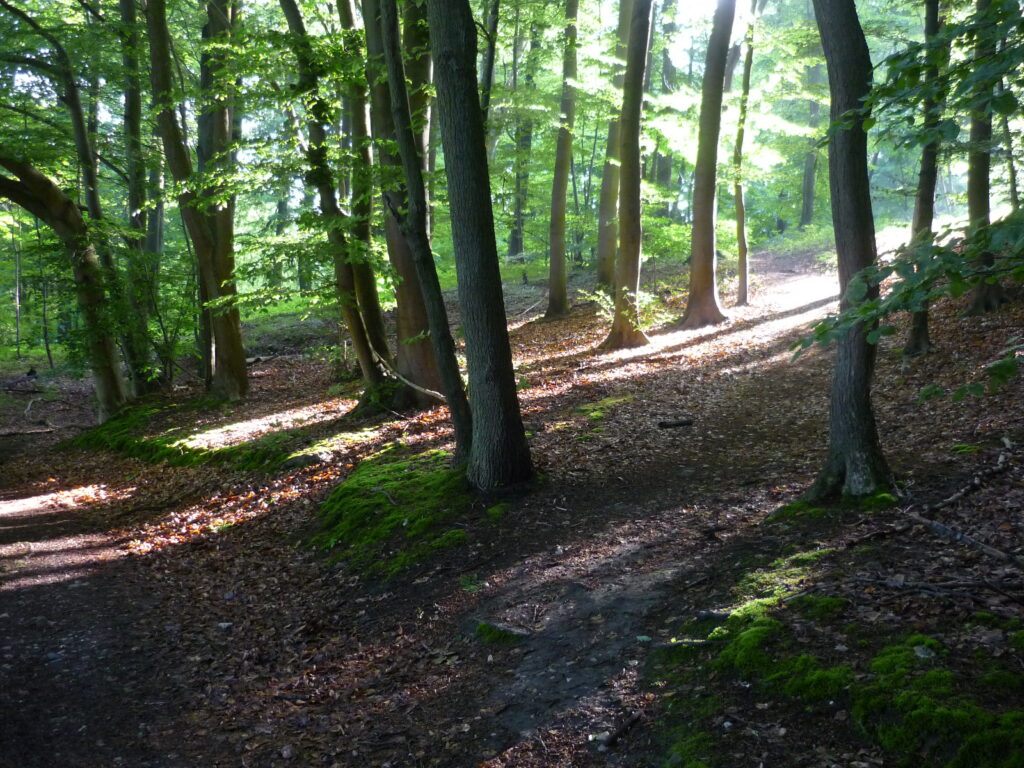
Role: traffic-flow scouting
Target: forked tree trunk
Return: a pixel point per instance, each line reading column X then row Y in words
column 919, row 340
column 500, row 456
column 625, row 331
column 987, row 296
column 558, row 296
column 210, row 232
column 414, row 228
column 38, row 195
column 608, row 207
column 320, row 177
column 855, row 465
column 702, row 306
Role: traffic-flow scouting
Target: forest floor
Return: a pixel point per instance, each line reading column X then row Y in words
column 154, row 614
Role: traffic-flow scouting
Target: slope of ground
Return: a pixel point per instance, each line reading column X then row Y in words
column 166, row 615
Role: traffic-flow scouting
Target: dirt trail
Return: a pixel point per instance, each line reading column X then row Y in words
column 114, row 660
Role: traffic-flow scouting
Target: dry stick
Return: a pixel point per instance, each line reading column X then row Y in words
column 391, row 369
column 945, row 531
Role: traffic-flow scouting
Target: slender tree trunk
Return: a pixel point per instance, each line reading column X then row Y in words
column 414, row 227
column 318, row 117
column 487, row 65
column 1011, row 164
column 41, row 197
column 986, row 296
column 702, row 306
column 17, row 294
column 608, row 207
column 500, row 456
column 210, row 231
column 737, row 162
column 625, row 331
column 521, row 163
column 558, row 296
column 919, row 341
column 855, row 465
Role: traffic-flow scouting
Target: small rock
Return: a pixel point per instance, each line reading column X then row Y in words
column 287, row 751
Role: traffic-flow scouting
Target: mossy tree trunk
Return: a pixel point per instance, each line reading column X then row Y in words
column 855, row 465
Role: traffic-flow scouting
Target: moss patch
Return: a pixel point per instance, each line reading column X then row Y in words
column 492, row 634
column 598, row 410
column 395, row 510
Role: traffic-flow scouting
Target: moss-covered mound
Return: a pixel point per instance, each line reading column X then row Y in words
column 394, row 510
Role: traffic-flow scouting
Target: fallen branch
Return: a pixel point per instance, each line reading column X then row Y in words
column 14, row 432
column 947, row 532
column 391, row 370
column 619, row 732
column 683, row 422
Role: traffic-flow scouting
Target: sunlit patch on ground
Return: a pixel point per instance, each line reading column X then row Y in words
column 244, row 431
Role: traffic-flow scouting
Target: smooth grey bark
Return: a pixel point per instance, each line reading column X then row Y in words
column 558, row 296
column 500, row 456
column 608, row 206
column 703, row 306
column 855, row 465
column 625, row 331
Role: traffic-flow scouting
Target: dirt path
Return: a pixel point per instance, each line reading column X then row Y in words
column 162, row 616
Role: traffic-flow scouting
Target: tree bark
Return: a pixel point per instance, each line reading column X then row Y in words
column 703, row 306
column 737, row 162
column 41, row 197
column 558, row 296
column 521, row 163
column 986, row 296
column 414, row 228
column 608, row 207
column 487, row 68
column 500, row 456
column 210, row 231
column 855, row 465
column 625, row 331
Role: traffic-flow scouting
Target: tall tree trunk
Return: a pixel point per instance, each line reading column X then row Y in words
column 210, row 231
column 500, row 456
column 919, row 341
column 608, row 207
column 521, row 162
column 1011, row 164
column 625, row 331
column 318, row 113
column 41, row 197
column 558, row 296
column 855, row 465
column 487, row 65
column 414, row 227
column 415, row 360
column 986, row 296
column 702, row 305
column 737, row 163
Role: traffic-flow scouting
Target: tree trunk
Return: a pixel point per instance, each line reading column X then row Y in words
column 38, row 195
column 855, row 465
column 210, row 231
column 558, row 296
column 521, row 162
column 500, row 456
column 608, row 207
column 487, row 67
column 319, row 176
column 986, row 296
column 919, row 341
column 737, row 162
column 625, row 331
column 414, row 228
column 702, row 305
column 415, row 360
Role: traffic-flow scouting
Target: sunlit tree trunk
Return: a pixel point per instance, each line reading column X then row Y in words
column 558, row 297
column 500, row 456
column 625, row 331
column 702, row 306
column 737, row 162
column 855, row 465
column 608, row 207
column 41, row 197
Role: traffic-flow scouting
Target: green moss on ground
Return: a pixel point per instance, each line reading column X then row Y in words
column 598, row 410
column 492, row 634
column 395, row 510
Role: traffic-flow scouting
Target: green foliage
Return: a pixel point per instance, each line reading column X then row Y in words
column 395, row 510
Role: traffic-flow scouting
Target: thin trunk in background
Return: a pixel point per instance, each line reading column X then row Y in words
column 500, row 455
column 737, row 164
column 558, row 295
column 490, row 51
column 608, row 208
column 702, row 305
column 625, row 331
column 523, row 147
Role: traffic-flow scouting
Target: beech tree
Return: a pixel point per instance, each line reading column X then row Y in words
column 499, row 456
column 625, row 331
column 558, row 297
column 855, row 465
column 703, row 306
